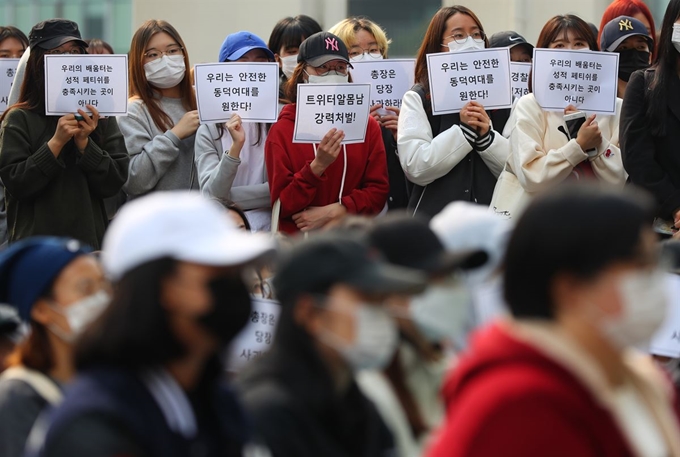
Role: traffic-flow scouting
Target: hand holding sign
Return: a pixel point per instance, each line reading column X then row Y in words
column 186, row 126
column 328, row 151
column 589, row 135
column 86, row 126
column 474, row 115
column 390, row 120
column 67, row 126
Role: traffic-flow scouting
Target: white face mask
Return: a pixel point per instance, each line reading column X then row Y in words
column 327, row 79
column 644, row 308
column 80, row 314
column 375, row 339
column 469, row 44
column 288, row 65
column 366, row 57
column 675, row 38
column 441, row 311
column 166, row 72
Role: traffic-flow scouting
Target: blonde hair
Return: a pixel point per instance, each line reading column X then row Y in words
column 347, row 28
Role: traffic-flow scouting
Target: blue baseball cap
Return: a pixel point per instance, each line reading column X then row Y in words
column 30, row 266
column 238, row 44
column 619, row 29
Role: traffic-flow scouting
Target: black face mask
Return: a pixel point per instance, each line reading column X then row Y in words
column 631, row 60
column 231, row 308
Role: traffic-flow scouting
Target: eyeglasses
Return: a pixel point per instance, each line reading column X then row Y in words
column 360, row 54
column 340, row 69
column 173, row 51
column 55, row 52
column 461, row 38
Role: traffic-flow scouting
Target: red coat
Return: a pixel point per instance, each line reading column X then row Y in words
column 291, row 178
column 507, row 399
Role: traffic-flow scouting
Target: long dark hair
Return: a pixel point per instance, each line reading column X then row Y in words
column 666, row 71
column 432, row 42
column 9, row 31
column 290, row 32
column 134, row 331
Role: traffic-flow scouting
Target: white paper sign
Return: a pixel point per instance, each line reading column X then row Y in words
column 74, row 81
column 585, row 79
column 666, row 341
column 321, row 107
column 389, row 79
column 457, row 78
column 258, row 335
column 249, row 89
column 519, row 77
column 8, row 68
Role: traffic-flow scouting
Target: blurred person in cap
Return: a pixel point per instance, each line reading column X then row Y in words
column 149, row 380
column 463, row 227
column 230, row 155
column 57, row 171
column 334, row 322
column 562, row 377
column 520, row 49
column 318, row 184
column 57, row 288
column 407, row 391
column 629, row 38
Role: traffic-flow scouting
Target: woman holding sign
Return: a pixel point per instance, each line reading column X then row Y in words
column 318, row 184
column 548, row 147
column 162, row 119
column 367, row 41
column 57, row 171
column 230, row 156
column 454, row 156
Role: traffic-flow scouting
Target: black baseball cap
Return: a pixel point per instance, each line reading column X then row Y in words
column 53, row 33
column 508, row 39
column 410, row 242
column 322, row 47
column 619, row 29
column 318, row 263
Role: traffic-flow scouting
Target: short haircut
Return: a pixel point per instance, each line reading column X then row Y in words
column 558, row 26
column 97, row 46
column 347, row 29
column 578, row 230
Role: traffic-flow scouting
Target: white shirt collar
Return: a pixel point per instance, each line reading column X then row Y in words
column 172, row 401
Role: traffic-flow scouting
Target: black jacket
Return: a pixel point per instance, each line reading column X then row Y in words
column 652, row 162
column 399, row 192
column 291, row 398
column 470, row 180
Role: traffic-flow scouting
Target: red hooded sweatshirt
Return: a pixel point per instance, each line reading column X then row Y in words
column 507, row 399
column 366, row 183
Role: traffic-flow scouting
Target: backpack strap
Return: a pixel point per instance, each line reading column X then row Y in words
column 45, row 387
column 435, row 121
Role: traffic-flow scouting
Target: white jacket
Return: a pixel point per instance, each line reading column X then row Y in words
column 542, row 156
column 424, row 158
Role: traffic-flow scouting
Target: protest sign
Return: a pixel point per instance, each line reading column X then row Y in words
column 389, row 79
column 666, row 341
column 249, row 89
column 457, row 78
column 258, row 335
column 74, row 81
column 519, row 78
column 585, row 79
column 8, row 68
column 321, row 107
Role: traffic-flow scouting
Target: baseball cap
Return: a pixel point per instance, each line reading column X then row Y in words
column 182, row 225
column 508, row 39
column 53, row 33
column 335, row 258
column 238, row 44
column 322, row 47
column 619, row 29
column 29, row 267
column 425, row 251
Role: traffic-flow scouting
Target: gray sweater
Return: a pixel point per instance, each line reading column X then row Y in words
column 217, row 170
column 158, row 160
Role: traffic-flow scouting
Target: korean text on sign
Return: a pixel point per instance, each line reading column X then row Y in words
column 321, row 107
column 74, row 81
column 519, row 78
column 258, row 335
column 389, row 79
column 585, row 79
column 457, row 78
column 249, row 89
column 8, row 68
